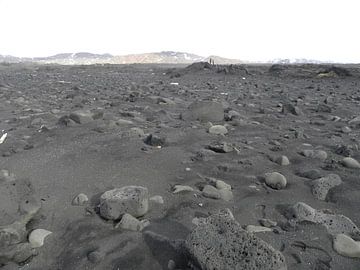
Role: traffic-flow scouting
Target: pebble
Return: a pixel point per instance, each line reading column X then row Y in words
column 256, row 229
column 80, row 200
column 226, row 195
column 346, row 130
column 221, row 147
column 351, row 163
column 355, row 121
column 346, row 246
column 155, row 140
column 171, row 265
column 82, row 116
column 218, row 130
column 6, row 176
column 267, row 222
column 275, row 180
column 128, row 222
column 157, row 199
column 181, row 188
column 37, row 237
column 282, row 160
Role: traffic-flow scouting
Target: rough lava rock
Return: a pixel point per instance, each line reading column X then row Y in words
column 220, row 243
column 133, row 200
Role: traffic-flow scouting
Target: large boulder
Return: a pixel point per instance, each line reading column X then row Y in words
column 219, row 243
column 205, row 111
column 133, row 200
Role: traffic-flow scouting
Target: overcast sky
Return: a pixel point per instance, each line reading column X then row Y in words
column 242, row 29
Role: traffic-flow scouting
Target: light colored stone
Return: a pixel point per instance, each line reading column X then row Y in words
column 80, row 199
column 226, row 194
column 346, row 130
column 275, row 180
column 157, row 199
column 218, row 130
column 346, row 246
column 317, row 154
column 220, row 184
column 282, row 160
column 37, row 237
column 211, row 192
column 133, row 200
column 181, row 188
column 256, row 229
column 351, row 163
column 6, row 176
column 128, row 222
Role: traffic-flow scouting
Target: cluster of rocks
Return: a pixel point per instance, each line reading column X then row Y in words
column 19, row 241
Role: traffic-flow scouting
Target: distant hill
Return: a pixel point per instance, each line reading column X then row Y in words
column 85, row 58
column 164, row 57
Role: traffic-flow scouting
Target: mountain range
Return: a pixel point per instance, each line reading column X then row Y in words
column 164, row 57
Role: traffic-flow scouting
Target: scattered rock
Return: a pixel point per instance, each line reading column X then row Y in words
column 290, row 108
column 321, row 186
column 346, row 130
column 355, row 121
column 181, row 188
column 80, row 200
column 128, row 222
column 256, row 229
column 226, row 194
column 346, row 246
column 218, row 130
column 133, row 200
column 37, row 237
column 267, row 223
column 310, row 174
column 82, row 116
column 155, row 140
column 317, row 154
column 157, row 199
column 335, row 224
column 351, row 163
column 221, row 147
column 275, row 180
column 211, row 192
column 282, row 160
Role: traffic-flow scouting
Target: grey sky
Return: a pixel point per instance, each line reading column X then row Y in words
column 249, row 30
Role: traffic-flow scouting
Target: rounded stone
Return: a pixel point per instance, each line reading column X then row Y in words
column 218, row 130
column 351, row 163
column 282, row 160
column 346, row 246
column 275, row 180
column 80, row 199
column 211, row 192
column 37, row 237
